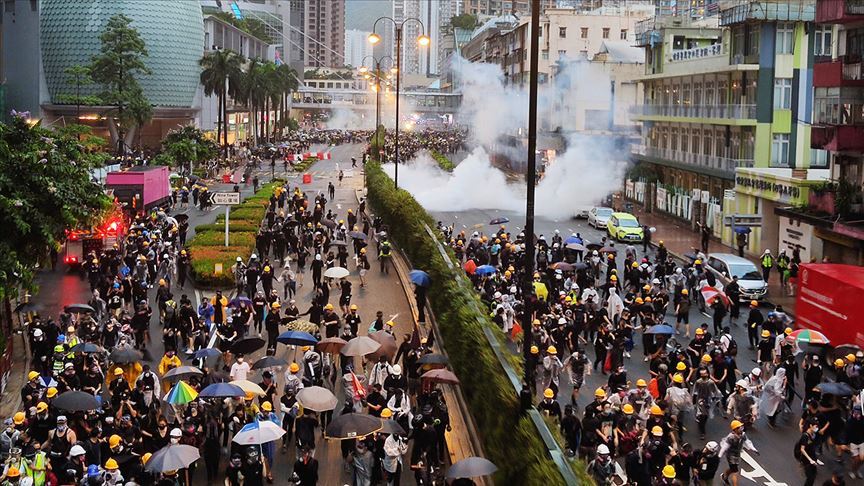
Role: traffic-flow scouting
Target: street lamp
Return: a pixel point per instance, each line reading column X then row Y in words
column 424, row 41
column 376, row 87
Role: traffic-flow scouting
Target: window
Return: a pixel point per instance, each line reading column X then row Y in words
column 562, row 53
column 822, row 43
column 584, row 32
column 562, row 32
column 784, row 38
column 780, row 150
column 544, row 55
column 782, row 93
column 605, row 32
column 623, row 35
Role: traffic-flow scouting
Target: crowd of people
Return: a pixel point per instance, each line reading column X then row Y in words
column 412, row 142
column 590, row 312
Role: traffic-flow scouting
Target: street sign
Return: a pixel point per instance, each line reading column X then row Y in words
column 745, row 220
column 223, row 198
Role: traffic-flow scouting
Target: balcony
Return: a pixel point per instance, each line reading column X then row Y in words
column 838, row 73
column 738, row 11
column 839, row 11
column 837, row 138
column 737, row 112
column 724, row 165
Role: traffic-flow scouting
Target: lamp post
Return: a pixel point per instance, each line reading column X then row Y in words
column 365, row 70
column 424, row 41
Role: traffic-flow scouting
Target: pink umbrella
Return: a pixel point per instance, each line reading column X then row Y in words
column 710, row 294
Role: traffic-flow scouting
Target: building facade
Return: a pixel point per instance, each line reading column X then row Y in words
column 496, row 8
column 435, row 17
column 324, row 33
column 357, row 47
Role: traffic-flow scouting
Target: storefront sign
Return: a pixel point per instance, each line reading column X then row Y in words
column 795, row 234
column 697, row 53
column 783, row 192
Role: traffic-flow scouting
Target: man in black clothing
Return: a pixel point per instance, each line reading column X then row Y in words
column 754, row 322
column 733, row 291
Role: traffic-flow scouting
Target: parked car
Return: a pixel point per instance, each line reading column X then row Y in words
column 598, row 216
column 581, row 212
column 724, row 266
column 624, row 227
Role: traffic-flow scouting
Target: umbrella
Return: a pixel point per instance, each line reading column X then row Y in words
column 839, row 389
column 297, row 338
column 352, row 426
column 86, row 348
column 249, row 387
column 240, row 302
column 844, row 349
column 269, row 362
column 181, row 217
column 471, row 467
column 593, row 246
column 575, row 246
column 173, row 457
column 331, row 345
column 442, row 375
column 742, row 230
column 808, row 336
column 258, row 432
column 711, row 294
column 573, row 239
column 339, row 243
column 302, row 325
column 329, row 223
column 205, row 353
column 580, row 266
column 247, row 345
column 125, row 355
column 470, row 267
column 499, row 221
column 181, row 394
column 388, row 344
column 27, row 307
column 563, row 266
column 222, row 390
column 76, row 401
column 484, row 270
column 79, row 309
column 608, row 249
column 661, row 329
column 419, row 278
column 182, row 372
column 360, row 346
column 357, row 235
column 316, row 398
column 390, row 426
column 337, row 272
column 433, row 359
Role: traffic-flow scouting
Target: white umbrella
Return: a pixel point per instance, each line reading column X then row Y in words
column 316, row 398
column 258, row 432
column 249, row 387
column 336, row 272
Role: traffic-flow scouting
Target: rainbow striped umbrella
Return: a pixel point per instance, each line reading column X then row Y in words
column 808, row 336
column 181, row 394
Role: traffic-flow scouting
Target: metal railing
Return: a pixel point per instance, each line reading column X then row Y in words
column 746, row 112
column 708, row 161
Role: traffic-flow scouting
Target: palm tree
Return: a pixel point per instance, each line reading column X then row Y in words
column 286, row 82
column 252, row 86
column 220, row 74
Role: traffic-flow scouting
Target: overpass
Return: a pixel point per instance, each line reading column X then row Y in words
column 431, row 102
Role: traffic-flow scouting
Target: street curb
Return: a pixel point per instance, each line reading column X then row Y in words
column 15, row 379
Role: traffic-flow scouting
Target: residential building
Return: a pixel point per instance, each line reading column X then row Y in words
column 357, row 47
column 496, row 8
column 324, row 33
column 829, row 225
column 726, row 116
column 434, row 15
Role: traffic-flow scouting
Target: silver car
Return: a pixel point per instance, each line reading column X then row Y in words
column 724, row 266
column 598, row 216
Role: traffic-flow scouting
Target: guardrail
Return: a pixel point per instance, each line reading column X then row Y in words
column 733, row 111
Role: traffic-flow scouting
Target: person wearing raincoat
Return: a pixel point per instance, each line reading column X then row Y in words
column 774, row 396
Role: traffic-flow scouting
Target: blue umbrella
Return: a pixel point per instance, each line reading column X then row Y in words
column 298, row 338
column 573, row 239
column 207, row 353
column 240, row 301
column 660, row 329
column 419, row 278
column 742, row 229
column 357, row 235
column 484, row 270
column 222, row 390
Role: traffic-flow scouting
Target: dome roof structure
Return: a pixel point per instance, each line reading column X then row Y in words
column 172, row 30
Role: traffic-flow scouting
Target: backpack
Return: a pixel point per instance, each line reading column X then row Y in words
column 733, row 347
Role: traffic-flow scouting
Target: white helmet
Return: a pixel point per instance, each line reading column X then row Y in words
column 239, row 259
column 497, row 295
column 254, row 257
column 77, row 450
column 37, row 333
column 741, row 383
column 679, row 271
column 603, row 449
column 175, row 432
column 396, row 369
column 712, row 446
column 756, row 372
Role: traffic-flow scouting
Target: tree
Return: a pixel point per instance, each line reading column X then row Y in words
column 120, row 59
column 45, row 188
column 79, row 76
column 220, row 74
column 464, row 21
column 286, row 83
column 187, row 146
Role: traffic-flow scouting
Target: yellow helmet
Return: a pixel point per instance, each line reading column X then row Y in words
column 850, row 357
column 787, row 331
column 766, row 333
column 700, row 331
column 548, row 393
column 669, row 471
column 249, row 396
column 839, row 362
column 697, row 262
column 12, row 472
column 41, row 407
column 276, row 305
column 613, row 278
column 657, row 431
column 600, row 393
column 19, row 418
column 111, row 464
column 639, row 300
column 706, row 358
column 684, row 291
column 354, row 307
column 118, row 371
column 328, row 307
column 535, row 350
column 386, row 413
column 753, row 303
column 146, row 457
column 294, row 368
column 635, row 264
column 736, row 424
column 114, row 440
column 51, row 393
column 640, row 382
column 551, row 350
column 32, row 375
column 647, row 299
column 627, row 409
column 656, row 410
column 678, row 378
column 267, row 407
column 681, row 366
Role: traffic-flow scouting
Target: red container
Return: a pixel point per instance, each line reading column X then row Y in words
column 226, row 178
column 829, row 300
column 307, row 178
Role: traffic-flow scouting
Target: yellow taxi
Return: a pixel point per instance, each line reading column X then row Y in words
column 624, row 227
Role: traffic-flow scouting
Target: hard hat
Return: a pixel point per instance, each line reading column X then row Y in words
column 639, row 300
column 266, row 268
column 627, row 409
column 641, row 382
column 669, row 471
column 118, row 371
column 536, row 322
column 397, row 370
column 146, row 457
column 77, row 450
column 51, row 393
column 736, row 424
column 613, row 278
column 766, row 333
column 32, row 375
column 656, row 410
column 706, row 358
column 684, row 291
column 249, row 396
column 635, row 264
column 787, row 331
column 12, row 472
column 111, row 464
column 647, row 299
column 603, row 449
column 678, row 378
column 697, row 262
column 239, row 259
column 646, row 286
column 850, row 357
column 328, row 307
column 19, row 418
column 548, row 393
column 267, row 407
column 712, row 446
column 92, row 471
column 162, row 281
column 362, row 250
column 756, row 371
column 700, row 331
column 386, row 413
column 680, row 366
column 753, row 303
column 390, row 323
column 741, row 383
column 354, row 307
column 41, row 407
column 657, row 431
column 601, row 393
column 839, row 362
column 275, row 305
column 552, row 350
column 114, row 440
column 535, row 350
column 175, row 432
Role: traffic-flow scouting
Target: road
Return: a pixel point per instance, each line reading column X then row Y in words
column 775, row 465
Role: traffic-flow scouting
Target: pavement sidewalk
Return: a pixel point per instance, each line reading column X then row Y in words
column 680, row 239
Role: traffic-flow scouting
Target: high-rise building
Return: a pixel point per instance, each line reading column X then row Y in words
column 357, row 47
column 495, row 8
column 324, row 39
column 435, row 16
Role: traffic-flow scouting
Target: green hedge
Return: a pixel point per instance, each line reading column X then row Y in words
column 510, row 439
column 216, row 238
column 443, row 162
column 233, row 227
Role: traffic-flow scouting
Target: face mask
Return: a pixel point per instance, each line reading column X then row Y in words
column 175, row 441
column 239, row 360
column 61, row 428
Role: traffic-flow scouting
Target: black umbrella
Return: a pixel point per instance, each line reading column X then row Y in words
column 608, row 249
column 391, row 427
column 328, row 223
column 499, row 221
column 27, row 307
column 842, row 350
column 173, row 457
column 125, row 355
column 433, row 358
column 838, row 389
column 76, row 401
column 471, row 467
column 339, row 243
column 269, row 362
column 181, row 217
column 352, row 426
column 87, row 348
column 593, row 246
column 79, row 309
column 580, row 266
column 247, row 345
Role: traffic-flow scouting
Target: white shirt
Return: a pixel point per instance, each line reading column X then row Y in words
column 239, row 371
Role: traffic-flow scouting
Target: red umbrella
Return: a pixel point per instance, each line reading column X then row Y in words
column 470, row 266
column 388, row 345
column 442, row 375
column 711, row 294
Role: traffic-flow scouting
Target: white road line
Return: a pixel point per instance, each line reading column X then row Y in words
column 757, row 472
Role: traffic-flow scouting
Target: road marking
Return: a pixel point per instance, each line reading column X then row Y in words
column 758, row 472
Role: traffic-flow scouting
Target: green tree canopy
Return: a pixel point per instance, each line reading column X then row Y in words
column 464, row 21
